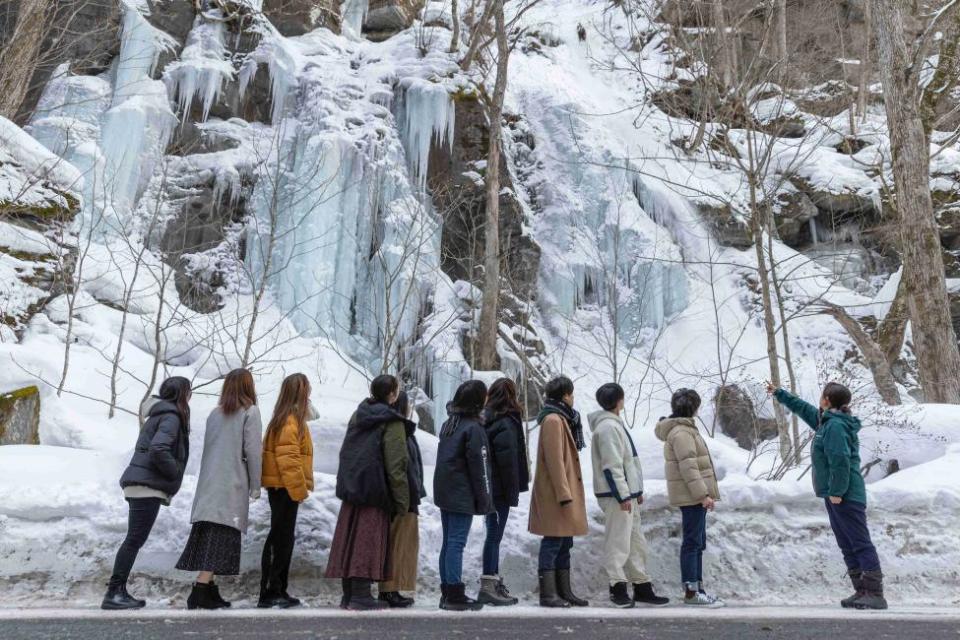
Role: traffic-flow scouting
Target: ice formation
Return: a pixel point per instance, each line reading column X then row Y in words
column 202, row 70
column 426, row 116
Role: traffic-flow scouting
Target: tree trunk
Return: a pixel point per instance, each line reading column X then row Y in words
column 489, row 311
column 864, row 87
column 872, row 353
column 780, row 29
column 769, row 323
column 19, row 57
column 455, row 19
column 476, row 35
column 934, row 341
column 724, row 46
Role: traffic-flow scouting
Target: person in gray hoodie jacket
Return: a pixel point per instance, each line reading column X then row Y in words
column 229, row 478
column 618, row 486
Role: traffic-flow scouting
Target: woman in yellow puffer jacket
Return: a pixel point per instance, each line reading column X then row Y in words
column 288, row 478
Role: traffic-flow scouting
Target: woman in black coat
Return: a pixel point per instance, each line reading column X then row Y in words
column 152, row 478
column 503, row 421
column 461, row 487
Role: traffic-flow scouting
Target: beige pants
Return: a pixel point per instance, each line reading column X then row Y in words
column 404, row 553
column 624, row 545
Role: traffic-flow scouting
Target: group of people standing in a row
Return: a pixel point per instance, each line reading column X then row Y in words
column 482, row 467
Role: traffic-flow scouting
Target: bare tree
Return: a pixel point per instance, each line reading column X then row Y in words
column 489, row 312
column 934, row 340
column 20, row 55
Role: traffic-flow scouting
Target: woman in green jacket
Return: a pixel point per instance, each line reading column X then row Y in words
column 835, row 454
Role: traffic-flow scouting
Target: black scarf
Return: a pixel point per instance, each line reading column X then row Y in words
column 569, row 414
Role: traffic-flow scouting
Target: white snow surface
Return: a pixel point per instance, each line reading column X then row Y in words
column 352, row 126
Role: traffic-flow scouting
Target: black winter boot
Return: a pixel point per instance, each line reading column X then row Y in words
column 619, row 596
column 361, row 596
column 566, row 592
column 643, row 594
column 872, row 596
column 856, row 577
column 289, row 600
column 117, row 598
column 394, row 600
column 201, row 597
column 457, row 600
column 345, row 598
column 215, row 591
column 548, row 591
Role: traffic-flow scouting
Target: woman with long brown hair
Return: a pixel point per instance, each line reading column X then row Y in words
column 229, row 478
column 152, row 478
column 288, row 478
column 510, row 476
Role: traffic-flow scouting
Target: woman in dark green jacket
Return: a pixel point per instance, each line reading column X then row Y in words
column 835, row 454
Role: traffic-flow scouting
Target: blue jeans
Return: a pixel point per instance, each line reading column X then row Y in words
column 694, row 542
column 496, row 523
column 849, row 523
column 555, row 553
column 456, row 528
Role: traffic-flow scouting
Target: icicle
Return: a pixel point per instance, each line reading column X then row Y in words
column 354, row 14
column 202, row 70
column 814, row 238
column 426, row 114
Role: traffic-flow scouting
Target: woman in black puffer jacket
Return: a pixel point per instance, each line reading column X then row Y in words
column 503, row 421
column 461, row 487
column 152, row 478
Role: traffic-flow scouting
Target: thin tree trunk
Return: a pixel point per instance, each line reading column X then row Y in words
column 780, row 25
column 455, row 18
column 934, row 341
column 20, row 55
column 864, row 89
column 769, row 324
column 726, row 57
column 476, row 35
column 872, row 353
column 489, row 311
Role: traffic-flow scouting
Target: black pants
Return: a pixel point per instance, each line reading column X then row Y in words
column 849, row 523
column 694, row 520
column 278, row 549
column 142, row 515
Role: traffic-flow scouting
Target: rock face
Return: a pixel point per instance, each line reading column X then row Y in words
column 20, row 416
column 387, row 17
column 455, row 180
column 730, row 229
column 297, row 17
column 738, row 418
column 85, row 33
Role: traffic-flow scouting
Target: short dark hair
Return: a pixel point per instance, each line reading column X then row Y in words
column 558, row 387
column 470, row 397
column 609, row 395
column 382, row 386
column 684, row 403
column 838, row 396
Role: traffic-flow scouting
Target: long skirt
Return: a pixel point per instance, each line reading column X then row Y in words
column 404, row 553
column 212, row 547
column 360, row 544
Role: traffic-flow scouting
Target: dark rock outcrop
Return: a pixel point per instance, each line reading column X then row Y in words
column 387, row 17
column 297, row 17
column 737, row 417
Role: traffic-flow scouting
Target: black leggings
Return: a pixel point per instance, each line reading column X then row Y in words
column 278, row 549
column 142, row 515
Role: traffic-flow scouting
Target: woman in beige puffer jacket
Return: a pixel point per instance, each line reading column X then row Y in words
column 692, row 486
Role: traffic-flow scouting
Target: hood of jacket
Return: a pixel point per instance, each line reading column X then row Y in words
column 371, row 414
column 849, row 422
column 597, row 418
column 162, row 406
column 666, row 425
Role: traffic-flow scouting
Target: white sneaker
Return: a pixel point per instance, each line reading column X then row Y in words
column 701, row 599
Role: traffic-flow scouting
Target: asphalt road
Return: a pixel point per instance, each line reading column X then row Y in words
column 730, row 624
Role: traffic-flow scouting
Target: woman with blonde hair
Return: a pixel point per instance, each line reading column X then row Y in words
column 288, row 478
column 229, row 478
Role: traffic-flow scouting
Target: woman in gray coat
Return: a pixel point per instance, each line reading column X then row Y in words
column 229, row 478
